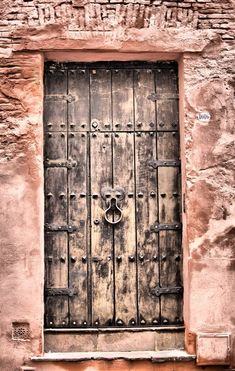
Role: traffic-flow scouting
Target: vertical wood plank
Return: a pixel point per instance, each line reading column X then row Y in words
column 101, row 232
column 55, row 105
column 78, row 109
column 122, row 94
column 146, row 215
column 100, row 98
column 167, row 103
column 171, row 276
column 78, row 216
column 144, row 85
column 124, row 232
column 55, row 144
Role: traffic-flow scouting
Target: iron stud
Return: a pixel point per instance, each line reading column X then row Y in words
column 74, row 322
column 165, row 321
column 119, row 322
column 151, row 124
column 161, row 124
column 119, row 259
column 154, row 321
column 116, row 125
column 63, row 323
column 106, row 135
column 72, row 135
column 177, row 258
column 139, row 124
column 142, row 322
column 72, row 195
column 61, row 195
column 95, row 124
column 62, row 259
column 138, row 134
column 49, row 195
column 50, row 258
column 116, row 71
column 107, row 125
column 175, row 194
column 83, row 126
column 173, row 133
column 93, row 72
column 49, row 124
column 116, row 135
column 73, row 259
column 83, row 135
column 84, row 323
column 152, row 194
column 50, row 323
column 94, row 135
column 130, row 194
column 72, row 125
column 155, row 258
column 109, row 258
column 132, row 322
column 131, row 258
column 49, row 135
column 163, row 195
column 151, row 133
column 129, row 124
column 96, row 323
column 163, row 258
column 140, row 194
column 62, row 125
column 84, row 259
column 62, row 135
column 82, row 195
column 95, row 195
column 141, row 257
column 96, row 222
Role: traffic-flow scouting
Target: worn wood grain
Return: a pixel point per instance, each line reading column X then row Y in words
column 146, row 215
column 122, row 97
column 101, row 232
column 144, row 85
column 78, row 108
column 124, row 232
column 78, row 216
column 100, row 98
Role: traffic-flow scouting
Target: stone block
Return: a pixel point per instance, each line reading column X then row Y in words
column 213, row 349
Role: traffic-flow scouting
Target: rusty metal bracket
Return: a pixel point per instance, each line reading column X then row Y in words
column 165, row 227
column 158, row 291
column 60, row 163
column 57, row 97
column 61, row 228
column 61, row 292
column 154, row 96
column 163, row 163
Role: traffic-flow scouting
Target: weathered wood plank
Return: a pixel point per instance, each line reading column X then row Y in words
column 144, row 85
column 168, row 194
column 171, row 276
column 100, row 98
column 78, row 216
column 55, row 145
column 122, row 95
column 101, row 232
column 124, row 232
column 78, row 109
column 56, row 276
column 56, row 196
column 167, row 103
column 146, row 215
column 55, row 109
column 168, row 145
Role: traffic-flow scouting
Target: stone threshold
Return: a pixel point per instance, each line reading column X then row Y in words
column 154, row 356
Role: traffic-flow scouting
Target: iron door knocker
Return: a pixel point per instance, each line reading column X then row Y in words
column 113, row 212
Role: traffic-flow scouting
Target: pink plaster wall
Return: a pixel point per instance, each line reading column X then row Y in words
column 203, row 45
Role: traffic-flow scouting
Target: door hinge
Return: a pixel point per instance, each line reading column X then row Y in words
column 61, row 292
column 57, row 97
column 165, row 227
column 158, row 291
column 60, row 163
column 61, row 228
column 163, row 163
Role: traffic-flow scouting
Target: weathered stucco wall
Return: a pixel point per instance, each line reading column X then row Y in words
column 200, row 35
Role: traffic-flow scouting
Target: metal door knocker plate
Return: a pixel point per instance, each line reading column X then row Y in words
column 113, row 198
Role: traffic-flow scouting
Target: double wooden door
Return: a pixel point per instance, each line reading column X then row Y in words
column 112, row 195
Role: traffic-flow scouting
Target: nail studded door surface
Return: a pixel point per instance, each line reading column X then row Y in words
column 113, row 253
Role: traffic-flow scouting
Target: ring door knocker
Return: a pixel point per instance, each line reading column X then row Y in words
column 113, row 197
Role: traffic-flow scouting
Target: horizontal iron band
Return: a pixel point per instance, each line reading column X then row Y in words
column 60, row 163
column 61, row 228
column 165, row 227
column 163, row 163
column 158, row 291
column 60, row 292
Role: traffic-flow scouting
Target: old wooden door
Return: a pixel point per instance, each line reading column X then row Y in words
column 112, row 195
